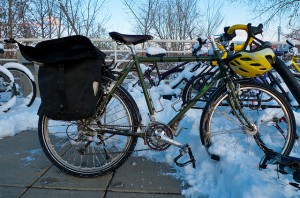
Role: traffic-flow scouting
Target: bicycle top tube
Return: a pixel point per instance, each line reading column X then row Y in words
column 177, row 59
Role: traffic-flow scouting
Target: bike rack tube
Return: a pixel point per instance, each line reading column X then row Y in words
column 288, row 78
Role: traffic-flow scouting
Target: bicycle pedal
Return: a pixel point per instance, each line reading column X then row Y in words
column 182, row 153
column 296, row 176
column 167, row 97
column 215, row 157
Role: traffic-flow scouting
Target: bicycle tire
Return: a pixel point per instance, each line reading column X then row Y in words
column 112, row 150
column 25, row 85
column 7, row 90
column 171, row 76
column 266, row 109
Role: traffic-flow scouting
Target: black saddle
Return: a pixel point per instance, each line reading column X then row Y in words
column 129, row 39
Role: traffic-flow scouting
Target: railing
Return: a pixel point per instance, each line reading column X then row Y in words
column 115, row 50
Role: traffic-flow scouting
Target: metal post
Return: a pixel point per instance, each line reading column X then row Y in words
column 279, row 46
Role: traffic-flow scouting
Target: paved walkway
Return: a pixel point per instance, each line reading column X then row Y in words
column 26, row 172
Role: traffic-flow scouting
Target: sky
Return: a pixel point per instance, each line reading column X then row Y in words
column 121, row 20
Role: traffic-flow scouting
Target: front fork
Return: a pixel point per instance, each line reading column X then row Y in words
column 233, row 101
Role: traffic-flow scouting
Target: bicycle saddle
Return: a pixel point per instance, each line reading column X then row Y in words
column 129, row 39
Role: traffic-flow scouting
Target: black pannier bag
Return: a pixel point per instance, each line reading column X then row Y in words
column 69, row 78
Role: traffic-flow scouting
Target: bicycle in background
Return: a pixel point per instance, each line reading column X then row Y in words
column 7, row 87
column 294, row 62
column 24, row 82
column 171, row 82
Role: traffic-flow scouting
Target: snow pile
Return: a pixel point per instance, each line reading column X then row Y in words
column 19, row 118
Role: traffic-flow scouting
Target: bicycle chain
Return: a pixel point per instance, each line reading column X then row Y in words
column 115, row 127
column 118, row 152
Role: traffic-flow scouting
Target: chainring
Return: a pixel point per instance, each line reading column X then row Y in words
column 153, row 131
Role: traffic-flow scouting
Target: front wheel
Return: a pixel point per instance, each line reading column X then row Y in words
column 89, row 150
column 271, row 117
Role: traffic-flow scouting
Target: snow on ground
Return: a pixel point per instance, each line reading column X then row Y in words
column 234, row 176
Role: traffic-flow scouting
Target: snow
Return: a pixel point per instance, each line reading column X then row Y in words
column 11, row 102
column 8, row 73
column 20, row 67
column 155, row 50
column 18, row 119
column 236, row 175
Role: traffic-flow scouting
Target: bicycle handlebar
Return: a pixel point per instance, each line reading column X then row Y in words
column 290, row 48
column 251, row 32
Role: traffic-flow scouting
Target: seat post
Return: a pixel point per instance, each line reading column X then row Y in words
column 132, row 49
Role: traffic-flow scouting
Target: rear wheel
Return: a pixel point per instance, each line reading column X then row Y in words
column 89, row 150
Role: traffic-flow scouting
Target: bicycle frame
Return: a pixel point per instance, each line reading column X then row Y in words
column 135, row 66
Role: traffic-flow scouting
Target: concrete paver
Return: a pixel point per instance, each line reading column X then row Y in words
column 25, row 171
column 9, row 191
column 56, row 179
column 22, row 160
column 57, row 193
column 139, row 195
column 141, row 175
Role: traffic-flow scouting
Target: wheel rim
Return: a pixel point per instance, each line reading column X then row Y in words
column 60, row 140
column 224, row 131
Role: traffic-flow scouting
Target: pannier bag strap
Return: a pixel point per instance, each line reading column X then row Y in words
column 61, row 71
